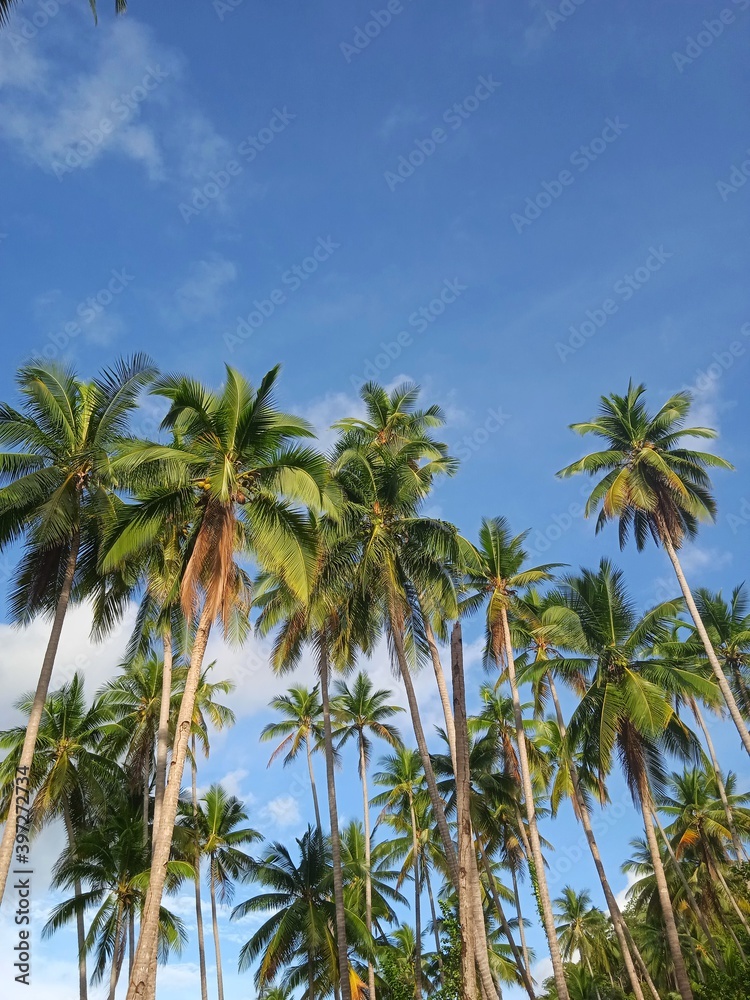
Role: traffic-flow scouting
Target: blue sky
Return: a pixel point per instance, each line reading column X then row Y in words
column 518, row 209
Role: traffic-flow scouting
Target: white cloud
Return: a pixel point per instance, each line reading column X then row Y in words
column 283, row 811
column 697, row 559
column 622, row 896
column 201, row 294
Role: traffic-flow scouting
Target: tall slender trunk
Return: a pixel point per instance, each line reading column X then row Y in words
column 78, row 892
column 521, row 964
column 338, row 881
column 521, row 920
column 739, row 850
column 435, row 922
column 733, row 903
column 368, row 861
column 628, row 949
column 37, row 708
column 417, row 903
column 442, row 686
column 145, row 791
column 673, row 938
column 131, row 939
column 114, row 972
column 692, row 901
column 144, row 970
column 311, row 977
column 313, row 786
column 162, row 744
column 466, row 854
column 217, row 942
column 198, row 907
column 528, row 794
column 701, row 630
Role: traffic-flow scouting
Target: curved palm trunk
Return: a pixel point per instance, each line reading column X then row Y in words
column 417, row 902
column 144, row 969
column 733, row 902
column 628, row 948
column 37, row 708
column 521, row 921
column 710, row 651
column 435, row 923
column 217, row 943
column 80, row 926
column 442, row 686
column 521, row 965
column 162, row 744
column 739, row 850
column 692, row 901
column 338, row 881
column 313, row 786
column 673, row 940
column 536, row 847
column 114, row 972
column 198, row 908
column 368, row 862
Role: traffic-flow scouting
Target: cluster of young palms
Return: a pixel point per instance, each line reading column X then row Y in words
column 232, row 520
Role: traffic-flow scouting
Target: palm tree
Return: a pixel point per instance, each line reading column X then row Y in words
column 627, row 708
column 233, row 477
column 360, row 712
column 112, row 861
column 655, row 486
column 59, row 491
column 302, row 912
column 69, row 775
column 579, row 926
column 301, row 727
column 213, row 832
column 495, row 582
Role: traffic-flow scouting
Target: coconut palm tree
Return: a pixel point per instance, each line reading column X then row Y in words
column 360, row 712
column 69, row 777
column 58, row 492
column 113, row 862
column 301, row 726
column 235, row 477
column 213, row 830
column 579, row 926
column 655, row 485
column 299, row 897
column 495, row 582
column 627, row 708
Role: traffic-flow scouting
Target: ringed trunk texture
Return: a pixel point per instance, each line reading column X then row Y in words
column 535, row 843
column 338, row 882
column 37, row 708
column 144, row 970
column 673, row 940
column 162, row 738
column 710, row 651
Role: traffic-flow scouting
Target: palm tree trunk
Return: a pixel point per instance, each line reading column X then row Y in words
column 313, row 787
column 368, row 862
column 417, row 903
column 131, row 940
column 37, row 708
column 521, row 964
column 528, row 795
column 628, row 948
column 311, row 977
column 162, row 744
column 217, row 943
column 114, row 972
column 733, row 902
column 701, row 630
column 442, row 686
column 198, row 907
column 145, row 789
column 144, row 969
column 673, row 938
column 692, row 901
column 521, row 921
column 739, row 850
column 435, row 923
column 338, row 881
column 80, row 925
column 465, row 839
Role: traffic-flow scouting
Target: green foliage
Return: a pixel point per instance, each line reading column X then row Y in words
column 450, row 940
column 725, row 985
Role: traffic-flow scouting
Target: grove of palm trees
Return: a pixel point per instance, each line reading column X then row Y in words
column 520, row 691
